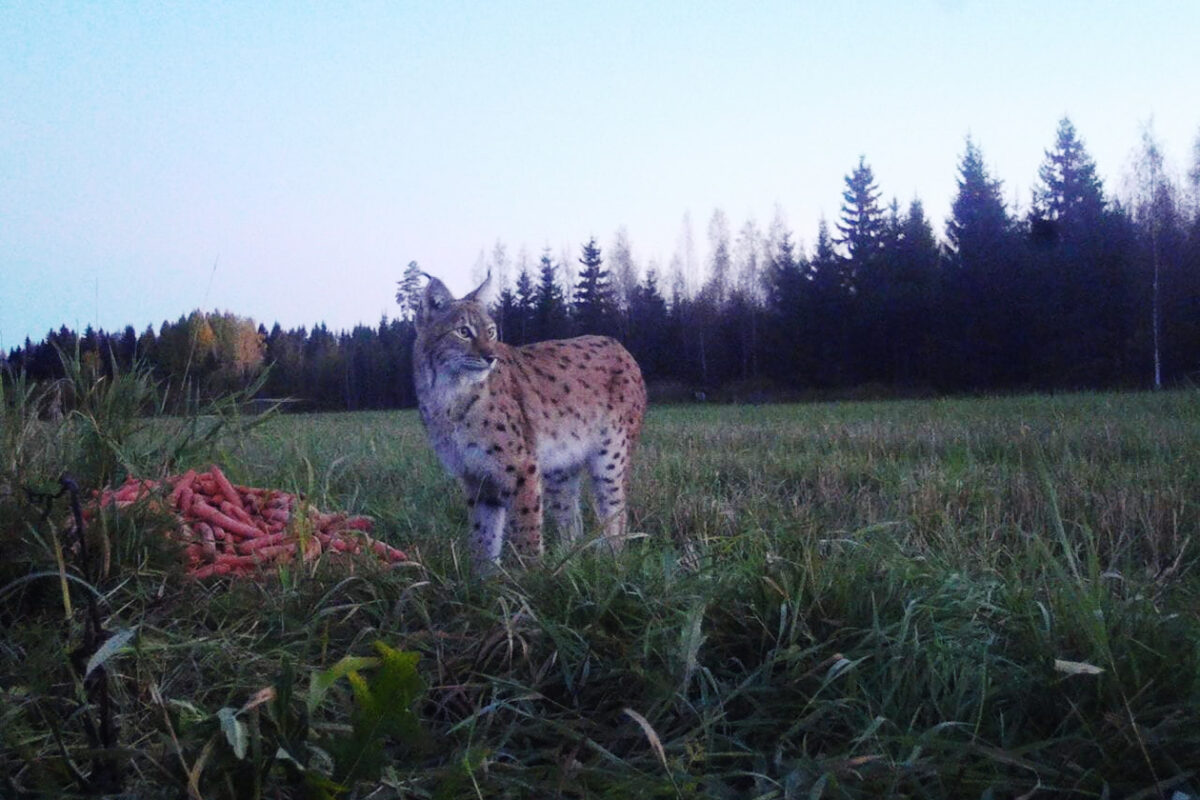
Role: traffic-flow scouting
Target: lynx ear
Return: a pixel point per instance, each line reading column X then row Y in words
column 437, row 298
column 484, row 294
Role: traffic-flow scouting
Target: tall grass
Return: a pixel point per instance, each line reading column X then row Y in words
column 968, row 598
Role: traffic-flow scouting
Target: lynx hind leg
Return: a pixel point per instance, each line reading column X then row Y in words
column 562, row 501
column 610, row 482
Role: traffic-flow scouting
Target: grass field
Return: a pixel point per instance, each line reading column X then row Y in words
column 952, row 598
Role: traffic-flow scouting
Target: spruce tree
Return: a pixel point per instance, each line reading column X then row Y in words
column 913, row 262
column 593, row 304
column 1081, row 270
column 979, row 222
column 408, row 291
column 987, row 323
column 1069, row 193
column 649, row 331
column 862, row 222
column 526, row 301
column 550, row 306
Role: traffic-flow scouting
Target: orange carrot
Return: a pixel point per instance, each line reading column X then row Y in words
column 235, row 511
column 237, row 560
column 225, row 487
column 134, row 489
column 213, row 516
column 325, row 520
column 275, row 551
column 209, row 570
column 227, row 529
column 208, row 540
column 184, row 483
column 360, row 523
column 387, row 551
column 250, row 545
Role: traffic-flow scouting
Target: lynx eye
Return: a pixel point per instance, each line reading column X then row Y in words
column 491, row 331
column 464, row 332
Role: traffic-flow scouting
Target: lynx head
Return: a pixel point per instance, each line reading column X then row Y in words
column 457, row 336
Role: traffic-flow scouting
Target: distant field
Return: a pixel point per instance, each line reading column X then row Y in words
column 958, row 598
column 951, row 479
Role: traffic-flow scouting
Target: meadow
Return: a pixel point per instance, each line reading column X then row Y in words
column 991, row 597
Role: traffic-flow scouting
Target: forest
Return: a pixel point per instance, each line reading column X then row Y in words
column 1083, row 289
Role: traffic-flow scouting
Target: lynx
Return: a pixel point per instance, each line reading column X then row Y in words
column 519, row 425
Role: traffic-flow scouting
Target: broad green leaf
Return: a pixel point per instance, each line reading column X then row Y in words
column 382, row 710
column 321, row 681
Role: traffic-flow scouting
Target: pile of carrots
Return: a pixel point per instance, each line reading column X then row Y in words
column 238, row 530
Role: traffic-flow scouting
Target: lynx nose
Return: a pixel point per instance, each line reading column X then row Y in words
column 490, row 359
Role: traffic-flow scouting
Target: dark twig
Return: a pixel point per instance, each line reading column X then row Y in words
column 106, row 772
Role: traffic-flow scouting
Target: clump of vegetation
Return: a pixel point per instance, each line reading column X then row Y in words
column 939, row 599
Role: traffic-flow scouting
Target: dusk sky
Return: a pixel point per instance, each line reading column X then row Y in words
column 310, row 151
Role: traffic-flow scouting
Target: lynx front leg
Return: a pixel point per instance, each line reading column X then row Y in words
column 487, row 524
column 525, row 511
column 562, row 500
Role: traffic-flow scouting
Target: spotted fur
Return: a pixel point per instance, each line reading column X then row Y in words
column 518, row 426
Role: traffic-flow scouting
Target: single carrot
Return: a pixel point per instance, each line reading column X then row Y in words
column 213, row 516
column 133, row 490
column 208, row 570
column 276, row 551
column 183, row 484
column 208, row 540
column 184, row 501
column 195, row 553
column 384, row 550
column 360, row 523
column 225, row 487
column 237, row 512
column 276, row 515
column 250, row 545
column 235, row 560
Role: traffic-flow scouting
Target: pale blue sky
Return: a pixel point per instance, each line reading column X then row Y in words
column 310, row 150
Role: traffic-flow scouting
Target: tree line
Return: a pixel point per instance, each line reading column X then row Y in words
column 1081, row 290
